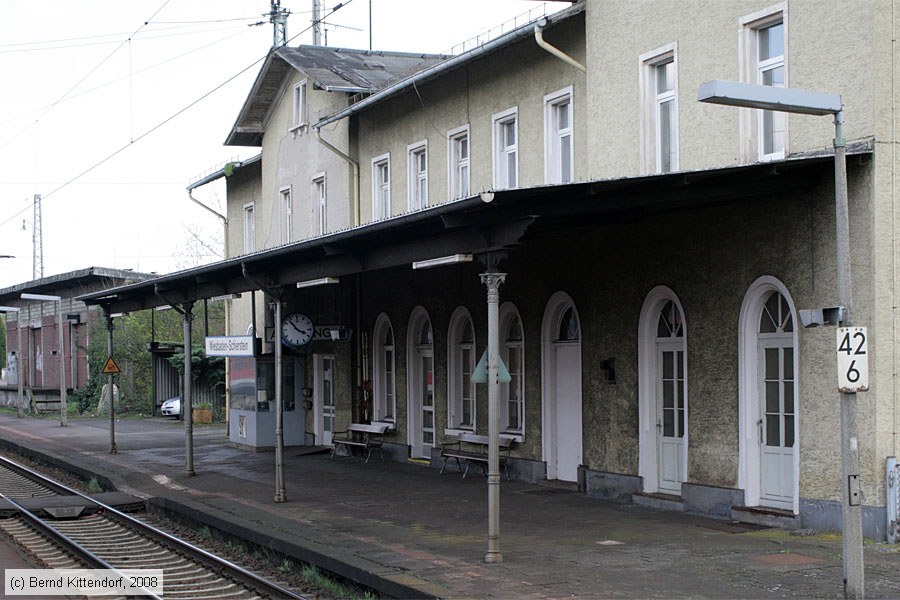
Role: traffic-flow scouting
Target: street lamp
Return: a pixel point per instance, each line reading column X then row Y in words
column 20, row 375
column 63, row 415
column 807, row 102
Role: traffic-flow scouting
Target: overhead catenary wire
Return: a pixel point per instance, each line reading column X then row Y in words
column 171, row 117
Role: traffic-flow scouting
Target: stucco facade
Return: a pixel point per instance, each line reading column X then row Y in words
column 652, row 292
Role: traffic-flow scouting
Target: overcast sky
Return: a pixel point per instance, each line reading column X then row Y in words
column 109, row 109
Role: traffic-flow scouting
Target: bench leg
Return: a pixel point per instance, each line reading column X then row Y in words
column 468, row 463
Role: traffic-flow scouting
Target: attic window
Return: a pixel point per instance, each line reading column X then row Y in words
column 373, row 64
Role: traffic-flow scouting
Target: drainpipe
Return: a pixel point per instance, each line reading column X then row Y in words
column 354, row 166
column 539, row 38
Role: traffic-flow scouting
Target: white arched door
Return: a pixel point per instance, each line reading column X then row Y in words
column 420, row 356
column 769, row 393
column 663, row 393
column 561, row 353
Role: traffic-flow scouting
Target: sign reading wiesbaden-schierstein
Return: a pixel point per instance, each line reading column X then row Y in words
column 229, row 345
column 852, row 359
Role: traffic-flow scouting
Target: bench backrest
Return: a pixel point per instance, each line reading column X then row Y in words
column 482, row 440
column 363, row 428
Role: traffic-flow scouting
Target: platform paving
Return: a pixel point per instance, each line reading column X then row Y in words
column 411, row 532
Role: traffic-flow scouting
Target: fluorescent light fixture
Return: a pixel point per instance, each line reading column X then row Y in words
column 441, row 261
column 225, row 297
column 6, row 309
column 161, row 308
column 320, row 281
column 40, row 297
column 767, row 97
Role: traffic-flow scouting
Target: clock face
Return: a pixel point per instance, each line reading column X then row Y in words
column 296, row 330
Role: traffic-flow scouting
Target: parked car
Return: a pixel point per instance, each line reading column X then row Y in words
column 171, row 407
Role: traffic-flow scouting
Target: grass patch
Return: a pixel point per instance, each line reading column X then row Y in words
column 94, row 486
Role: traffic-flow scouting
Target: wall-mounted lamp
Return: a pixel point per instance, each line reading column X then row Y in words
column 814, row 317
column 441, row 261
column 320, row 281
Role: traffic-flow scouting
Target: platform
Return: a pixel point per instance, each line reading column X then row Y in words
column 408, row 531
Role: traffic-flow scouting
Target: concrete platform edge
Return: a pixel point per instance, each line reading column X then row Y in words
column 395, row 586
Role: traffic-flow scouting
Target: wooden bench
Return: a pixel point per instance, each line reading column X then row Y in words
column 368, row 437
column 474, row 448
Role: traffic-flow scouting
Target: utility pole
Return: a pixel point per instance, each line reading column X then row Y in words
column 278, row 17
column 316, row 26
column 37, row 240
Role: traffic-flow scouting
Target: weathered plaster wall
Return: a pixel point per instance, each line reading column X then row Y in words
column 471, row 95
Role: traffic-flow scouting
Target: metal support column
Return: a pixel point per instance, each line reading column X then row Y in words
column 493, row 280
column 186, row 403
column 63, row 411
column 20, row 368
column 280, row 492
column 110, row 386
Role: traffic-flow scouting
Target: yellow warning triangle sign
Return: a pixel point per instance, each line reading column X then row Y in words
column 111, row 368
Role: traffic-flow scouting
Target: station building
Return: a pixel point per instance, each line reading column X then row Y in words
column 655, row 253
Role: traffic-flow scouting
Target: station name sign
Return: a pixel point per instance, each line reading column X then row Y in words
column 230, row 345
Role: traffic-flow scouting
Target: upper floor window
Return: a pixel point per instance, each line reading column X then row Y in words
column 320, row 204
column 381, row 187
column 659, row 111
column 461, row 365
column 300, row 108
column 764, row 63
column 559, row 166
column 286, row 216
column 458, row 151
column 506, row 149
column 418, row 175
column 249, row 229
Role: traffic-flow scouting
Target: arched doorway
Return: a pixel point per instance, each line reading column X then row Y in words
column 769, row 393
column 561, row 388
column 420, row 369
column 662, row 358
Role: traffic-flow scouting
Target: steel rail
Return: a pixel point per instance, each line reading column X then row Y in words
column 224, row 567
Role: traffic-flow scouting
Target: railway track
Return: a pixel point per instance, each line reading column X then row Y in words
column 110, row 539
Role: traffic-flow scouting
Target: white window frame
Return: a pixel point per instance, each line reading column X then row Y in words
column 249, row 228
column 508, row 311
column 455, row 370
column 459, row 170
column 384, row 384
column 501, row 152
column 650, row 101
column 300, row 105
column 553, row 136
column 287, row 210
column 751, row 120
column 416, row 178
column 320, row 202
column 379, row 210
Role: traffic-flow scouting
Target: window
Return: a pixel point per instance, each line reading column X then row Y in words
column 286, row 212
column 506, row 149
column 512, row 350
column 418, row 175
column 458, row 151
column 385, row 383
column 559, row 167
column 461, row 409
column 659, row 111
column 300, row 110
column 381, row 187
column 320, row 204
column 249, row 229
column 763, row 62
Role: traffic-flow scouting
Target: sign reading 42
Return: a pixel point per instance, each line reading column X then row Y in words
column 852, row 359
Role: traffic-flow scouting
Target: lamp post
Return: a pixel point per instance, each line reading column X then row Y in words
column 63, row 414
column 817, row 103
column 19, row 375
